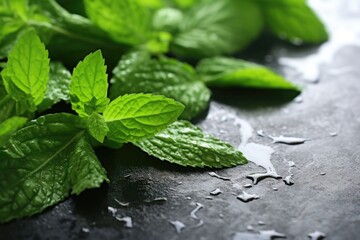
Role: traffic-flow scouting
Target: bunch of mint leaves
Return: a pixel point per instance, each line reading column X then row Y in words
column 46, row 157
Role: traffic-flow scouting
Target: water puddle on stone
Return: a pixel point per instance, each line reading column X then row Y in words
column 254, row 152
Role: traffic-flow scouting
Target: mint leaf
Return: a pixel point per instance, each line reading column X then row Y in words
column 9, row 126
column 27, row 71
column 135, row 73
column 97, row 127
column 88, row 88
column 231, row 72
column 185, row 144
column 293, row 20
column 136, row 116
column 58, row 87
column 213, row 27
column 42, row 162
column 126, row 21
column 7, row 104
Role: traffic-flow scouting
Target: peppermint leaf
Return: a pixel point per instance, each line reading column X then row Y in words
column 136, row 116
column 187, row 145
column 213, row 27
column 231, row 72
column 135, row 73
column 88, row 88
column 42, row 162
column 293, row 20
column 27, row 72
column 126, row 21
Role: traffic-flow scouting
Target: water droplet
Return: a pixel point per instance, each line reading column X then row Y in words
column 288, row 180
column 193, row 212
column 112, row 210
column 209, row 198
column 246, row 197
column 188, row 198
column 299, row 99
column 288, row 140
column 291, row 164
column 323, row 173
column 316, row 235
column 121, row 203
column 333, row 134
column 275, row 189
column 85, row 230
column 127, row 220
column 262, row 235
column 127, row 176
column 214, row 174
column 261, row 223
column 215, row 192
column 179, row 226
column 249, row 185
column 250, row 228
column 272, row 234
column 260, row 133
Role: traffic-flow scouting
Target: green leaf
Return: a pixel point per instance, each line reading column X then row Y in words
column 213, row 27
column 187, row 145
column 7, row 104
column 167, row 19
column 88, row 88
column 42, row 162
column 9, row 126
column 97, row 127
column 293, row 20
column 167, row 77
column 58, row 87
column 126, row 21
column 136, row 116
column 27, row 71
column 231, row 72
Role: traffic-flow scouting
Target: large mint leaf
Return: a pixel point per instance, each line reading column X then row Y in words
column 126, row 21
column 136, row 73
column 136, row 116
column 88, row 88
column 293, row 20
column 42, row 162
column 58, row 87
column 9, row 126
column 27, row 72
column 213, row 27
column 187, row 145
column 230, row 72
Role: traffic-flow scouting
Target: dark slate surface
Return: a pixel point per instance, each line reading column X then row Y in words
column 329, row 203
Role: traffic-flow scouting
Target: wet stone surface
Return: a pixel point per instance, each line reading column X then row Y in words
column 157, row 194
